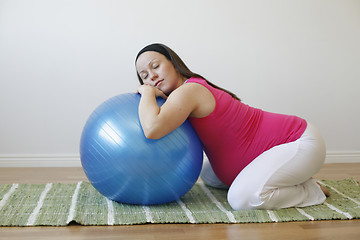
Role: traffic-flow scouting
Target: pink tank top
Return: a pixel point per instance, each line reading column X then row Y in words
column 234, row 134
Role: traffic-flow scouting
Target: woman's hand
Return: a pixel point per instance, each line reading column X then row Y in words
column 146, row 89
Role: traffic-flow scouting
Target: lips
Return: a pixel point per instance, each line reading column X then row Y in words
column 157, row 83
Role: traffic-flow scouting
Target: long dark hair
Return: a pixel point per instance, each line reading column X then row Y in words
column 179, row 65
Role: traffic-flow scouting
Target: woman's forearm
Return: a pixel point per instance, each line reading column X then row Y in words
column 148, row 113
column 157, row 122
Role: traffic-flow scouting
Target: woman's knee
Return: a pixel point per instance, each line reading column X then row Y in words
column 250, row 200
column 237, row 203
column 243, row 197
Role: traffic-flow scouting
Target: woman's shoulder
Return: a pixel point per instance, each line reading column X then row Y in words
column 190, row 87
column 195, row 84
column 196, row 80
column 196, row 95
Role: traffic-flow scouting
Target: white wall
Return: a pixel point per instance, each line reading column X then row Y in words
column 60, row 59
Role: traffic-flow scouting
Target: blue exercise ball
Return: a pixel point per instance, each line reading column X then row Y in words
column 125, row 166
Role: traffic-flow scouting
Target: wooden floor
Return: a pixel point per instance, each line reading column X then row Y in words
column 345, row 230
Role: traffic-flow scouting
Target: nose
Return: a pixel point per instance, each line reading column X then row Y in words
column 153, row 76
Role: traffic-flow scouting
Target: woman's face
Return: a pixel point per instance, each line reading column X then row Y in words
column 156, row 70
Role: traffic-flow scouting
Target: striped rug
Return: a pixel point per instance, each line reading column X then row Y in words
column 56, row 204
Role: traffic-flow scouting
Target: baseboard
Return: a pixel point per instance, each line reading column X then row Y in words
column 73, row 160
column 40, row 160
column 342, row 157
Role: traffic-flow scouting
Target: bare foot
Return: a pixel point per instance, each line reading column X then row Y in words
column 325, row 190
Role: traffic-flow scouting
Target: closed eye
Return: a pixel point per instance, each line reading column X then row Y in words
column 144, row 76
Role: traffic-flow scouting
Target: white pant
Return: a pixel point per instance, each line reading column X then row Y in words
column 281, row 177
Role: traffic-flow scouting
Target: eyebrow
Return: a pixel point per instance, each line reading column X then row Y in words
column 154, row 59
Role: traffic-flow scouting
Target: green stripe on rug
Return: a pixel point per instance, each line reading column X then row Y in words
column 20, row 205
column 56, row 207
column 56, row 204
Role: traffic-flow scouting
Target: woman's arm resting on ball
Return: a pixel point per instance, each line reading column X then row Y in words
column 157, row 122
